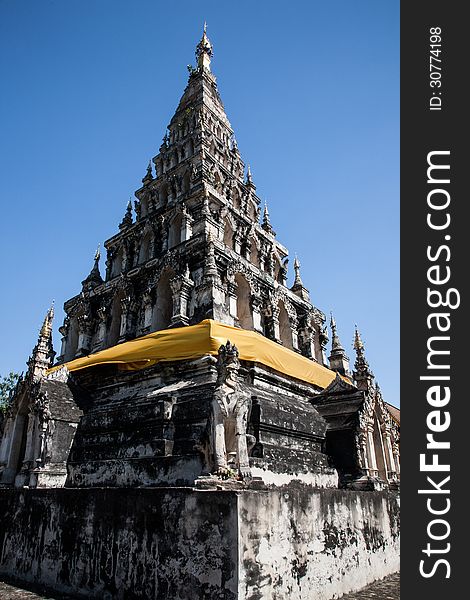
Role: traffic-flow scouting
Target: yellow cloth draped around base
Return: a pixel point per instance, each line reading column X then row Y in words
column 206, row 337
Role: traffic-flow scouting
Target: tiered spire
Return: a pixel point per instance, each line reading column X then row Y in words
column 336, row 345
column 297, row 279
column 362, row 374
column 199, row 185
column 338, row 360
column 266, row 224
column 249, row 178
column 298, row 288
column 43, row 353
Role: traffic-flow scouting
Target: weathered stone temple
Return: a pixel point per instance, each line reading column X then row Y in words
column 192, row 440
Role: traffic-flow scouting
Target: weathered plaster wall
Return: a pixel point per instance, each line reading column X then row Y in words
column 123, row 544
column 293, row 543
column 297, row 543
column 153, row 427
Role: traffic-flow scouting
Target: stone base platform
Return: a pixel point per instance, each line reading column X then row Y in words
column 294, row 542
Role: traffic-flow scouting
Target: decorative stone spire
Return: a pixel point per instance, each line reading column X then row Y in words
column 266, row 224
column 298, row 288
column 249, row 179
column 43, row 353
column 338, row 360
column 127, row 220
column 358, row 343
column 362, row 374
column 46, row 329
column 148, row 176
column 94, row 278
column 297, row 279
column 204, row 51
column 335, row 341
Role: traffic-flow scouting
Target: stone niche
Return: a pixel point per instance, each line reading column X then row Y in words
column 293, row 543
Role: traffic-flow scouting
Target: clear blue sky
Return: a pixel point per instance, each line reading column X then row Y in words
column 311, row 89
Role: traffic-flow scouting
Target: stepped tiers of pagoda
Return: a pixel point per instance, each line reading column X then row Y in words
column 194, row 245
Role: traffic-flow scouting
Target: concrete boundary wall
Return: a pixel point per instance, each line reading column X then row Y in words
column 181, row 544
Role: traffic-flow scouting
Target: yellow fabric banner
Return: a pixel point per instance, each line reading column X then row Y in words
column 206, row 337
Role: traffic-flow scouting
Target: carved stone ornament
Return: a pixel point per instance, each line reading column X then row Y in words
column 230, row 407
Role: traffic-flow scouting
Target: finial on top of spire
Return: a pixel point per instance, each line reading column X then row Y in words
column 97, row 254
column 204, row 51
column 332, row 322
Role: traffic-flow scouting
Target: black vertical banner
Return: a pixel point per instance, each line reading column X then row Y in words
column 435, row 267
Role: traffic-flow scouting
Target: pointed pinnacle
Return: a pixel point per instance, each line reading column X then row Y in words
column 335, row 341
column 266, row 224
column 148, row 175
column 297, row 278
column 97, row 254
column 332, row 321
column 47, row 323
column 266, row 211
column 127, row 219
column 358, row 343
column 204, row 50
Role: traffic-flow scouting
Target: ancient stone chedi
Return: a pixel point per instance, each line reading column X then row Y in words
column 193, row 404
